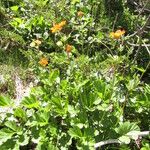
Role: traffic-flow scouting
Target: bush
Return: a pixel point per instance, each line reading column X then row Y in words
column 91, row 77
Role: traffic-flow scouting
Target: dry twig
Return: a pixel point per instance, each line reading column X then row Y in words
column 112, row 141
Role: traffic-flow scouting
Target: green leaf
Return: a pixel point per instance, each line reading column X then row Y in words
column 16, row 147
column 100, row 35
column 42, row 118
column 53, row 75
column 133, row 83
column 53, row 129
column 18, row 20
column 97, row 101
column 14, row 8
column 5, row 101
column 23, row 139
column 5, row 134
column 124, row 139
column 10, row 144
column 146, row 146
column 127, row 127
column 75, row 132
column 75, row 1
column 11, row 124
column 65, row 140
column 44, row 145
column 60, row 106
column 80, row 125
column 82, row 84
column 30, row 102
column 19, row 112
column 89, row 132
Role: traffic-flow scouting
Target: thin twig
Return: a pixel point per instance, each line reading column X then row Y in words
column 115, row 21
column 138, row 50
column 140, row 33
column 143, row 133
column 141, row 30
column 145, row 70
column 112, row 141
column 146, row 46
column 143, row 8
column 143, row 45
column 106, row 47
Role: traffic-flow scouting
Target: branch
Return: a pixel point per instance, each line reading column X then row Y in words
column 144, row 133
column 142, row 8
column 141, row 30
column 112, row 141
column 146, row 46
column 144, row 26
column 143, row 45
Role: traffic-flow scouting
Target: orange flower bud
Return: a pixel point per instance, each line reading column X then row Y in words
column 68, row 48
column 80, row 13
column 38, row 42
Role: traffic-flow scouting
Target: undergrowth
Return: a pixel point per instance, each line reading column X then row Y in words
column 90, row 62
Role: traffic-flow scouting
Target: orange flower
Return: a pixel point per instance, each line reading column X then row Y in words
column 43, row 61
column 68, row 48
column 58, row 27
column 117, row 34
column 80, row 13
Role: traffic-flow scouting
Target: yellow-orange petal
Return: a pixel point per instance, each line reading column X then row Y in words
column 120, row 31
column 63, row 23
column 123, row 31
column 117, row 35
column 53, row 29
column 56, row 28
